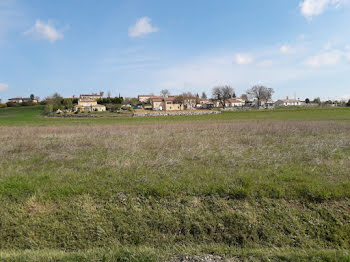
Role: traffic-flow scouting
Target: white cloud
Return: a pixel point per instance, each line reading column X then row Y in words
column 47, row 31
column 243, row 59
column 311, row 8
column 3, row 87
column 325, row 59
column 142, row 27
column 286, row 49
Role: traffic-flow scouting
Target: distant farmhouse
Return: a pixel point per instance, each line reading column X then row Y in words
column 288, row 102
column 92, row 96
column 88, row 103
column 231, row 102
column 145, row 98
column 165, row 103
column 19, row 100
column 236, row 102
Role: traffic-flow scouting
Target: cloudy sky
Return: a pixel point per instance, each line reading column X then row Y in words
column 298, row 47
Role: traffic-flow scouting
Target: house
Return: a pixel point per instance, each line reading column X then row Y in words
column 25, row 100
column 190, row 102
column 230, row 102
column 145, row 98
column 235, row 102
column 288, row 102
column 92, row 96
column 267, row 103
column 88, row 105
column 19, row 100
column 205, row 103
column 165, row 104
column 16, row 100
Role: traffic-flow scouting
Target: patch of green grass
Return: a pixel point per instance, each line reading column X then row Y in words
column 18, row 116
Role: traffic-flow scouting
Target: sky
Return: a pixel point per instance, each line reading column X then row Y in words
column 300, row 48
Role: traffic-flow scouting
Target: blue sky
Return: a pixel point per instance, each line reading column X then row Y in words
column 298, row 47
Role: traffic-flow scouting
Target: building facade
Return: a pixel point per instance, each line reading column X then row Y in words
column 92, row 96
column 88, row 105
column 288, row 102
column 165, row 104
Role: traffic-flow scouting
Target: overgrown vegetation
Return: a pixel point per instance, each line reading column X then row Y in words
column 150, row 190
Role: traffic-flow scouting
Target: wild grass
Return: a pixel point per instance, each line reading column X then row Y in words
column 282, row 160
column 245, row 189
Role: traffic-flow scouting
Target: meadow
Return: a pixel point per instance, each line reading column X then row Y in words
column 246, row 186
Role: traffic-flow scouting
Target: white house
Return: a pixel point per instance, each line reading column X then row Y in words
column 235, row 102
column 288, row 102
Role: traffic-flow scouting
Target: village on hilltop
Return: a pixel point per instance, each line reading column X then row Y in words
column 223, row 99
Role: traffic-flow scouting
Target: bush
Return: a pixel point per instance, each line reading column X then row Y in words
column 348, row 103
column 11, row 104
column 3, row 105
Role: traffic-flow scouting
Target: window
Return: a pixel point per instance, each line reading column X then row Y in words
column 169, row 103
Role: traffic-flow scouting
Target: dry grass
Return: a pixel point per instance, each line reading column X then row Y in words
column 204, row 151
column 250, row 184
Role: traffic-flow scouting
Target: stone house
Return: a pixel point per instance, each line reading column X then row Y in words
column 165, row 104
column 88, row 105
column 92, row 96
column 145, row 98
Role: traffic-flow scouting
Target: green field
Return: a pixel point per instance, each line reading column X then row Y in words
column 247, row 186
column 18, row 116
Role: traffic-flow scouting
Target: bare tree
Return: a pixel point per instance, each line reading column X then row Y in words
column 222, row 93
column 260, row 93
column 180, row 99
column 164, row 92
column 204, row 95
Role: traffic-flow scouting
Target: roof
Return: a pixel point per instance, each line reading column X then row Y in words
column 156, row 99
column 16, row 98
column 170, row 98
column 235, row 100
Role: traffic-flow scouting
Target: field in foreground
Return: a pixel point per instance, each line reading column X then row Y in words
column 233, row 187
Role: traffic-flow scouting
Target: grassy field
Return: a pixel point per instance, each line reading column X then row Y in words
column 249, row 186
column 20, row 116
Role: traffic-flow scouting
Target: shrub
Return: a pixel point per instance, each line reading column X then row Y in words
column 11, row 104
column 3, row 105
